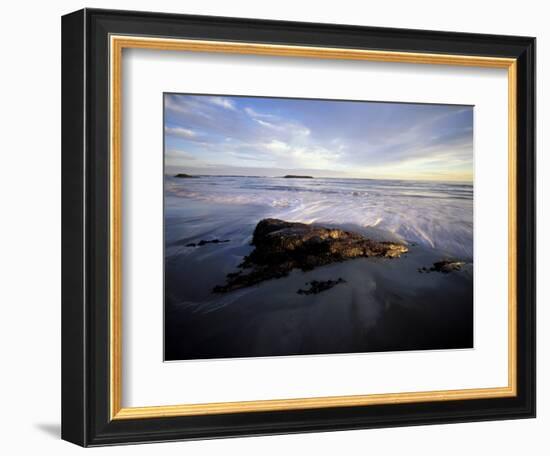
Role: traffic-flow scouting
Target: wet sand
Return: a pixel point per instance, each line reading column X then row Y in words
column 383, row 305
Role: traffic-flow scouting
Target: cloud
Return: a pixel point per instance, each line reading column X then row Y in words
column 289, row 128
column 180, row 154
column 222, row 102
column 277, row 146
column 255, row 114
column 171, row 103
column 267, row 124
column 275, row 122
column 180, row 132
column 309, row 155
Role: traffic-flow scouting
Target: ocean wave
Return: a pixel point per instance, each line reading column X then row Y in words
column 436, row 215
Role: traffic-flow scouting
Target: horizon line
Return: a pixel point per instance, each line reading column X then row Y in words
column 323, row 177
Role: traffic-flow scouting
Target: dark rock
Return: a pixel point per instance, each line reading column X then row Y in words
column 203, row 242
column 447, row 266
column 444, row 266
column 282, row 246
column 184, row 176
column 294, row 176
column 317, row 286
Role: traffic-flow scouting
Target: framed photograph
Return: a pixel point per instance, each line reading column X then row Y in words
column 278, row 227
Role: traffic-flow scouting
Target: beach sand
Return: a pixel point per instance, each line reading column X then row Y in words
column 384, row 305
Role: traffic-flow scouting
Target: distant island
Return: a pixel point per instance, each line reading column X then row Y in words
column 183, row 175
column 293, row 176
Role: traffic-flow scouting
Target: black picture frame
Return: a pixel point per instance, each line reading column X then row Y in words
column 85, row 224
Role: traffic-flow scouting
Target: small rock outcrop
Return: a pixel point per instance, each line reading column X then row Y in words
column 282, row 246
column 203, row 242
column 184, row 176
column 447, row 266
column 444, row 266
column 317, row 286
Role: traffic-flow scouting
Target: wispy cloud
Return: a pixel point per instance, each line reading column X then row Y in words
column 223, row 102
column 180, row 132
column 258, row 115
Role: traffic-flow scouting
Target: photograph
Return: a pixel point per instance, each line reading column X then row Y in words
column 316, row 227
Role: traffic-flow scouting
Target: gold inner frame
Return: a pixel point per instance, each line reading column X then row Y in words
column 117, row 44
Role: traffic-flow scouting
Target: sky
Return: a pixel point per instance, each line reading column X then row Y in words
column 356, row 139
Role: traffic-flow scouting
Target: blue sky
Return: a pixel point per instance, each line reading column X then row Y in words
column 274, row 136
